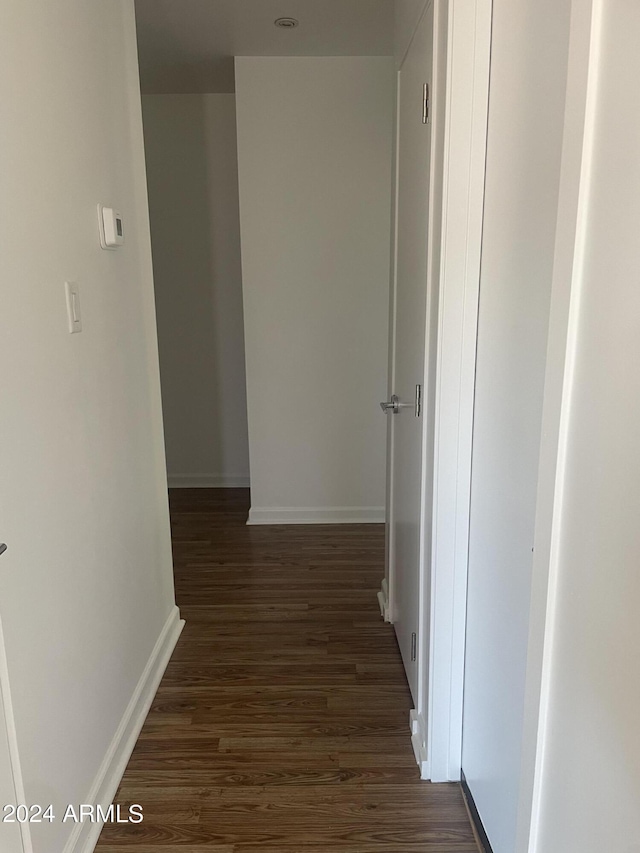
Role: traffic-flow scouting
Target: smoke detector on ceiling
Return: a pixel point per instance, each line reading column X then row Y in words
column 286, row 23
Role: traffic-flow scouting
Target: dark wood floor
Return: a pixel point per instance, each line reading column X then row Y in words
column 281, row 725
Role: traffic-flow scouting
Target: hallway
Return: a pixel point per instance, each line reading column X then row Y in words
column 281, row 723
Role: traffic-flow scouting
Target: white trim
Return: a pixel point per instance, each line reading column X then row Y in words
column 459, row 128
column 84, row 836
column 419, row 743
column 391, row 379
column 316, row 515
column 208, row 481
column 439, row 86
column 467, row 93
column 383, row 600
column 571, row 228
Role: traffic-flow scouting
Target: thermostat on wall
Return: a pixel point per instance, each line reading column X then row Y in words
column 111, row 228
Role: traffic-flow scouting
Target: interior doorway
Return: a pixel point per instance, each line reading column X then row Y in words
column 327, row 151
column 192, row 178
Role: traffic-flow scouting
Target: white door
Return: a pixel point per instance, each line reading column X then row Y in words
column 414, row 156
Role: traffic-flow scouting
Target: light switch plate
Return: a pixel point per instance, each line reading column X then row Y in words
column 72, row 290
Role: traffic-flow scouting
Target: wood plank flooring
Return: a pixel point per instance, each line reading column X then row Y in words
column 281, row 724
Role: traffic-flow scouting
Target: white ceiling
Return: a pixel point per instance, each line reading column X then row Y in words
column 189, row 45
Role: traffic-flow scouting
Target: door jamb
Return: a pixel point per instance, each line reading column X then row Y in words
column 445, row 568
column 571, row 234
column 386, row 594
column 436, row 724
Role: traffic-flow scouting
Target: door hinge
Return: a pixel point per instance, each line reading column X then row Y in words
column 414, row 646
column 426, row 105
column 418, row 400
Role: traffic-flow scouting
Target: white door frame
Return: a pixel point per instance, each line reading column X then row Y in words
column 463, row 169
column 462, row 32
column 571, row 228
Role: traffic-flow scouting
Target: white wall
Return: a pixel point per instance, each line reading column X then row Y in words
column 528, row 67
column 86, row 585
column 590, row 784
column 192, row 171
column 314, row 141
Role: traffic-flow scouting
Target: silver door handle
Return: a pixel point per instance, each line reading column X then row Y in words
column 394, row 405
column 3, row 547
column 391, row 406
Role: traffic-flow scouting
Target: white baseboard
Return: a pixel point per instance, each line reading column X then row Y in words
column 383, row 600
column 317, row 515
column 418, row 742
column 84, row 836
column 208, row 481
